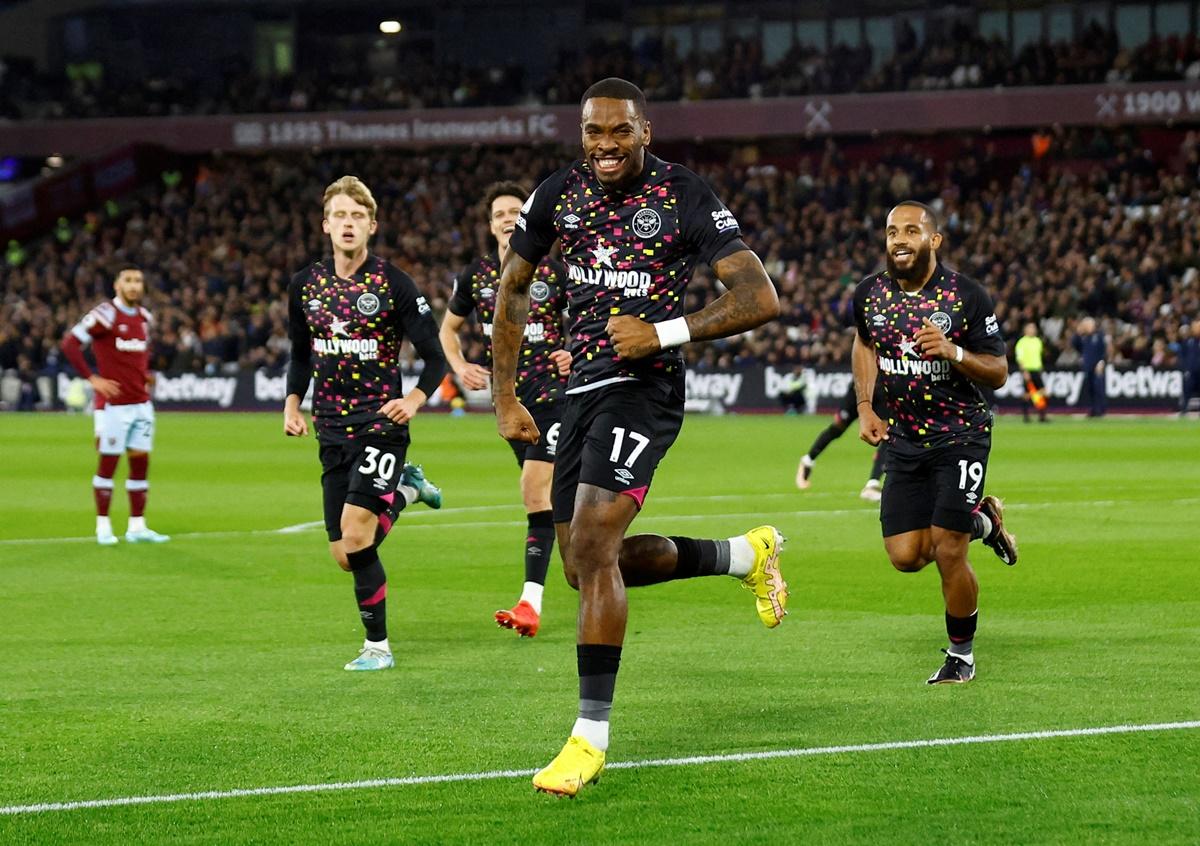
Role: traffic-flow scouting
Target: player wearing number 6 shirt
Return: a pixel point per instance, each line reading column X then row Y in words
column 928, row 334
column 347, row 316
column 119, row 332
column 541, row 381
column 632, row 229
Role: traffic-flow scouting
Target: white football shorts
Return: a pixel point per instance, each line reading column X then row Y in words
column 122, row 427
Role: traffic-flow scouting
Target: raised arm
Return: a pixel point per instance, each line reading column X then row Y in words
column 750, row 301
column 508, row 328
column 983, row 368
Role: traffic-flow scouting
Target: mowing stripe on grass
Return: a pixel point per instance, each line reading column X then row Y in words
column 492, row 775
column 407, row 526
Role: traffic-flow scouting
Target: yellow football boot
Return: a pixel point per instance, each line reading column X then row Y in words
column 578, row 763
column 765, row 579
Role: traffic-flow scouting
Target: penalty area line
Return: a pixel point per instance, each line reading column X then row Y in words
column 495, row 775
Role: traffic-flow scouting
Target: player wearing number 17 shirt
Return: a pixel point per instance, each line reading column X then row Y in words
column 928, row 334
column 347, row 317
column 631, row 228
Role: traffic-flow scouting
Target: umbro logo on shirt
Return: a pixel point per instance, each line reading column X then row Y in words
column 571, row 221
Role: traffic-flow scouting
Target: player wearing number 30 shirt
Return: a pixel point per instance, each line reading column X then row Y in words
column 347, row 317
column 929, row 336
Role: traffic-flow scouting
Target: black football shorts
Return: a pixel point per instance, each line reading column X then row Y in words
column 614, row 437
column 940, row 486
column 364, row 473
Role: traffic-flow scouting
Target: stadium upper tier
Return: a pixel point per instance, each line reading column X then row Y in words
column 736, row 68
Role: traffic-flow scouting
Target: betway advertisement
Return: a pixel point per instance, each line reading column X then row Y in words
column 753, row 389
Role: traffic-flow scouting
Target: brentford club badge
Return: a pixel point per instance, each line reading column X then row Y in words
column 367, row 304
column 646, row 223
column 941, row 320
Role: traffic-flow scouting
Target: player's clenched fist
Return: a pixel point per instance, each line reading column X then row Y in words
column 294, row 424
column 514, row 422
column 632, row 338
column 870, row 428
column 933, row 341
column 400, row 411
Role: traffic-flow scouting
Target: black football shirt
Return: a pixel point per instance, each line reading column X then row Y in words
column 929, row 402
column 538, row 380
column 630, row 252
column 346, row 336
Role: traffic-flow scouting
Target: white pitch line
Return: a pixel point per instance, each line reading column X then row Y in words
column 479, row 524
column 494, row 775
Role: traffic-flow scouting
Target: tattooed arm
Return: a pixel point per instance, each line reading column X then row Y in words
column 750, row 301
column 508, row 328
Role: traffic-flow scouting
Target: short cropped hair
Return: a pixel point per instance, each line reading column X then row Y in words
column 502, row 189
column 933, row 218
column 355, row 189
column 617, row 89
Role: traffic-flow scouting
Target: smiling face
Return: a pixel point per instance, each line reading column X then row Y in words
column 348, row 223
column 912, row 244
column 614, row 140
column 502, row 219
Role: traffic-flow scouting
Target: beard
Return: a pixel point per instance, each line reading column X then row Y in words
column 922, row 264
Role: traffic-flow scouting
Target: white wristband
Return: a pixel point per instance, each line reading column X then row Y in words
column 672, row 333
column 958, row 355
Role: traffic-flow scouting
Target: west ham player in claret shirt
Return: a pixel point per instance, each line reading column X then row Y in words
column 631, row 228
column 542, row 370
column 347, row 317
column 929, row 335
column 119, row 331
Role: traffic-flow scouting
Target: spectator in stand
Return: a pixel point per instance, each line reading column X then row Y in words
column 954, row 56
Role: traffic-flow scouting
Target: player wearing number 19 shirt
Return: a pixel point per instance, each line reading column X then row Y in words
column 347, row 317
column 928, row 334
column 631, row 228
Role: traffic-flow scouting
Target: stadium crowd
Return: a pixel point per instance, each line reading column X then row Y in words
column 961, row 59
column 1053, row 239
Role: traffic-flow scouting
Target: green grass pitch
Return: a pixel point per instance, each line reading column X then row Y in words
column 214, row 663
